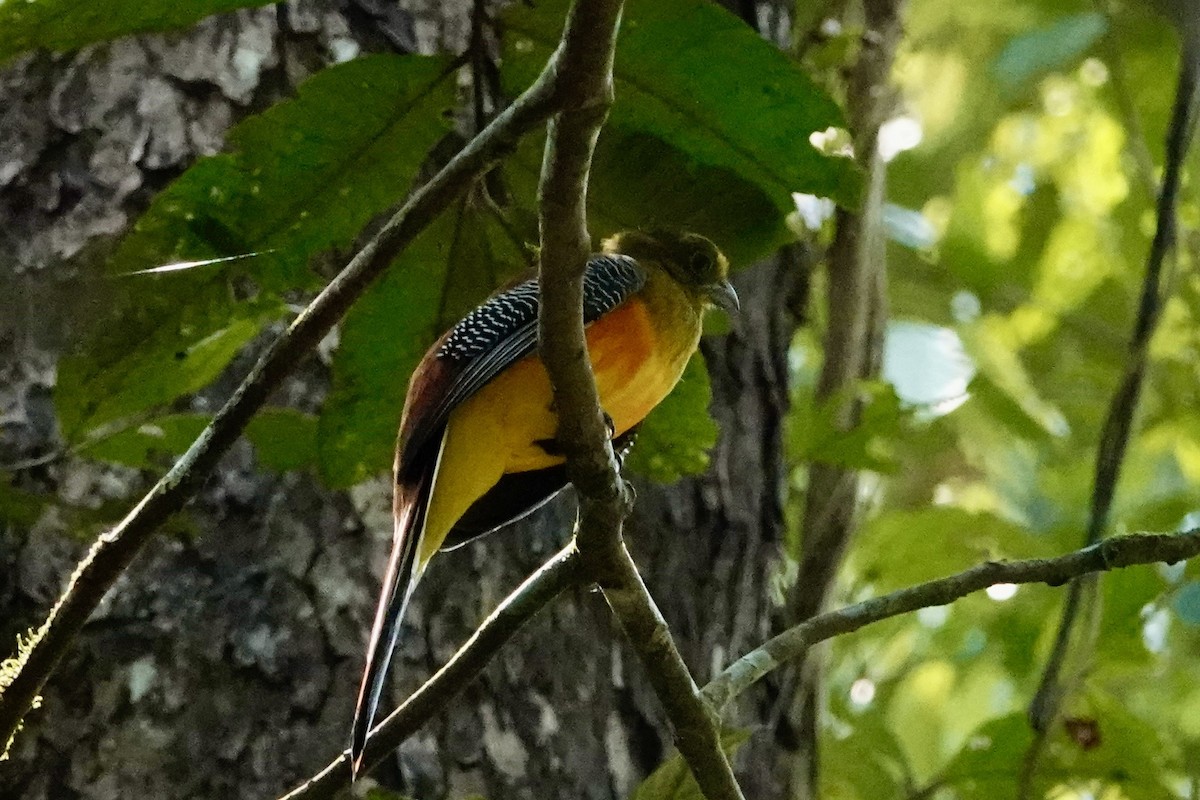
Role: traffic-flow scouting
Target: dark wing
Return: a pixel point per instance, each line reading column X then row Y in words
column 491, row 338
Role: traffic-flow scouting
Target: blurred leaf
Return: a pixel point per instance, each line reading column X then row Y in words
column 1047, row 49
column 17, row 506
column 1130, row 754
column 1187, row 603
column 675, row 439
column 871, row 444
column 990, row 346
column 917, row 714
column 379, row 793
column 863, row 760
column 66, row 24
column 298, row 181
column 900, row 548
column 283, row 438
column 452, row 266
column 672, row 780
column 697, row 111
column 989, row 764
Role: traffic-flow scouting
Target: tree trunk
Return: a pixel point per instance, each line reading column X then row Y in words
column 226, row 662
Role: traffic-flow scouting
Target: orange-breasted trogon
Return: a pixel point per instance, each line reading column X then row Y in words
column 476, row 444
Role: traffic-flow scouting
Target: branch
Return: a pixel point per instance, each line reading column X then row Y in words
column 1113, row 553
column 585, row 64
column 113, row 551
column 853, row 348
column 540, row 588
column 1118, row 423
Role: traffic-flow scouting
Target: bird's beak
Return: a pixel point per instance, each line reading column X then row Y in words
column 723, row 296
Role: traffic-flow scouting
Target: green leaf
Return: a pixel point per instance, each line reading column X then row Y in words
column 711, row 88
column 676, row 437
column 871, row 444
column 862, row 760
column 1047, row 49
column 1187, row 603
column 990, row 346
column 297, row 182
column 119, row 375
column 989, row 764
column 62, row 25
column 300, row 180
column 900, row 548
column 17, row 506
column 447, row 270
column 672, row 780
column 284, row 439
column 377, row 793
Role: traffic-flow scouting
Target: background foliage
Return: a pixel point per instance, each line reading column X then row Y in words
column 1019, row 209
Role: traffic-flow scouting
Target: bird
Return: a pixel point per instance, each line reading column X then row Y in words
column 476, row 447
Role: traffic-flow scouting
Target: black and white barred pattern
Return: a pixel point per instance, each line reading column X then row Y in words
column 608, row 282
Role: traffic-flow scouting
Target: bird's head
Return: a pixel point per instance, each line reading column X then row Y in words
column 692, row 260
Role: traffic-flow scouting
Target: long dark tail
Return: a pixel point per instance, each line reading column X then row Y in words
column 398, row 583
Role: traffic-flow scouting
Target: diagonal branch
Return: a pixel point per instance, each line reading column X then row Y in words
column 540, row 588
column 113, row 551
column 1109, row 554
column 586, row 72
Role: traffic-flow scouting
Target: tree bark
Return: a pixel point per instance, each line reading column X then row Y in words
column 225, row 663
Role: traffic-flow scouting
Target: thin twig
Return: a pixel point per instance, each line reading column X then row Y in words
column 856, row 307
column 1118, row 424
column 113, row 551
column 540, row 588
column 1112, row 553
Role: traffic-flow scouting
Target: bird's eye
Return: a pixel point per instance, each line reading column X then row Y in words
column 701, row 262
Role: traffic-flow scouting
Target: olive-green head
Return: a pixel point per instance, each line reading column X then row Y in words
column 692, row 260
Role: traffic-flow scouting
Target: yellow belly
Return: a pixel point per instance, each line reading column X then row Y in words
column 495, row 431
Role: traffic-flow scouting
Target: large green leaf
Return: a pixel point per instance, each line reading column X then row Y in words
column 299, row 180
column 695, row 77
column 284, row 438
column 68, row 24
column 871, row 444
